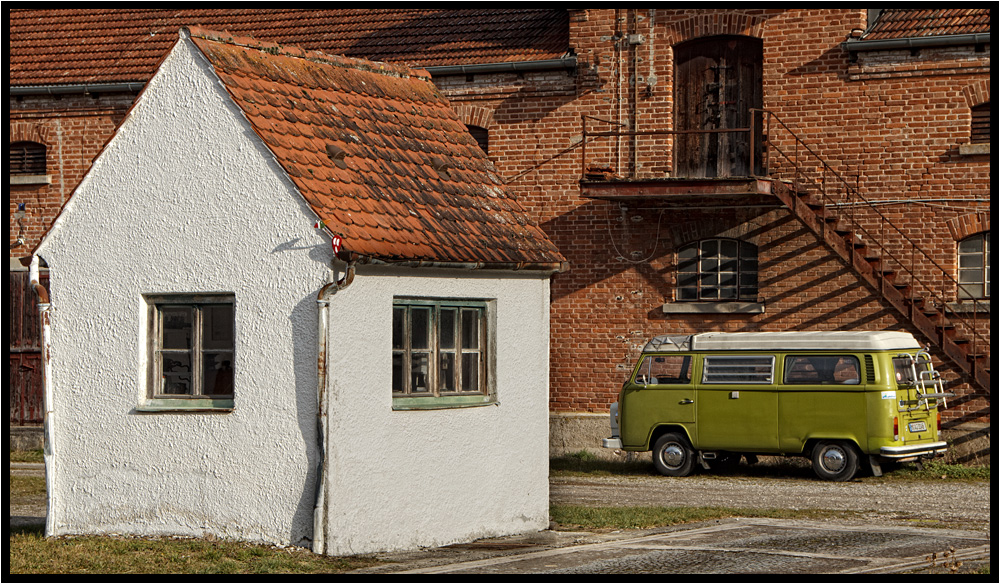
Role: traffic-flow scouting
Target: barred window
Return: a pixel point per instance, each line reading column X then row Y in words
column 717, row 270
column 26, row 158
column 981, row 122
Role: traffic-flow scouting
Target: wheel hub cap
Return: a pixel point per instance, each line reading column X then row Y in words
column 673, row 455
column 833, row 459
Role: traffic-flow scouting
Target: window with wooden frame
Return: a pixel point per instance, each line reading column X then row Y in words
column 191, row 351
column 440, row 353
column 974, row 267
column 717, row 270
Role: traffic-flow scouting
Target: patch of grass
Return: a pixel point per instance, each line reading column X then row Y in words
column 583, row 517
column 21, row 487
column 941, row 471
column 27, row 455
column 31, row 553
column 584, row 462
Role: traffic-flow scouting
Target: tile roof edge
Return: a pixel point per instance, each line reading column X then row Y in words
column 353, row 258
column 197, row 32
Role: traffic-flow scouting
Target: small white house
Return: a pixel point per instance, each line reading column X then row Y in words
column 292, row 303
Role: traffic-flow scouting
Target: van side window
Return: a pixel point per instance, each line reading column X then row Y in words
column 665, row 370
column 822, row 370
column 739, row 369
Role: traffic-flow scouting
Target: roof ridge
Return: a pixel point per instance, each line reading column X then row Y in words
column 296, row 52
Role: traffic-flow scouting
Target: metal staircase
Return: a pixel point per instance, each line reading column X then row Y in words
column 878, row 251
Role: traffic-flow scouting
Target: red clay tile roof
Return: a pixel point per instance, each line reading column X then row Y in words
column 378, row 154
column 895, row 23
column 77, row 46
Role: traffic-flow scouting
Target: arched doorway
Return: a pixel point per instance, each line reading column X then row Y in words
column 717, row 81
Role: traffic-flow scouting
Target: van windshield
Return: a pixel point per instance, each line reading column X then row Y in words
column 664, row 370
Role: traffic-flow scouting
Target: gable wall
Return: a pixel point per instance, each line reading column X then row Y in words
column 184, row 200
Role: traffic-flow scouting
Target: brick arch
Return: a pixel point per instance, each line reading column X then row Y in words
column 706, row 25
column 28, row 132
column 475, row 115
column 977, row 93
column 967, row 225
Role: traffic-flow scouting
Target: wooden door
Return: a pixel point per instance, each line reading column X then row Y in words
column 718, row 80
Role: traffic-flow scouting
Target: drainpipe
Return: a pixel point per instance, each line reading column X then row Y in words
column 49, row 418
column 319, row 510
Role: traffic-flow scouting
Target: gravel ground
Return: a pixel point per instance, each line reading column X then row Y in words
column 950, row 503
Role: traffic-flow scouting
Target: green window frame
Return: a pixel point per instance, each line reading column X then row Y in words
column 441, row 353
column 192, row 351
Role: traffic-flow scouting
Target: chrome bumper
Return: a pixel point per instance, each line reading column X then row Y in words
column 613, row 442
column 896, row 452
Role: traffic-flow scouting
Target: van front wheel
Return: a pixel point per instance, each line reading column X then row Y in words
column 673, row 456
column 835, row 461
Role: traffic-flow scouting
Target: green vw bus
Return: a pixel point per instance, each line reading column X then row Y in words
column 841, row 398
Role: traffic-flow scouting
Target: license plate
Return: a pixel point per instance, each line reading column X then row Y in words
column 918, row 426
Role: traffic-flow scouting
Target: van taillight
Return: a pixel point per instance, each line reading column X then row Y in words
column 939, row 419
column 895, row 428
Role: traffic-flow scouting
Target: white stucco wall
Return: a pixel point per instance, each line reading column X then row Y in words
column 404, row 479
column 184, row 199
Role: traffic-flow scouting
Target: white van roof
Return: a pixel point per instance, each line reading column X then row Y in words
column 791, row 340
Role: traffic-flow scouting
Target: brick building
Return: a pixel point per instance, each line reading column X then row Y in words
column 738, row 170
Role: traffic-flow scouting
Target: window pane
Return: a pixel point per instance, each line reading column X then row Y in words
column 420, row 326
column 419, row 371
column 176, row 328
column 728, row 248
column 470, row 329
column 398, row 375
column 446, row 372
column 217, row 327
column 972, row 244
column 447, row 334
column 470, row 372
column 709, row 248
column 176, row 368
column 970, row 260
column 687, row 293
column 218, row 377
column 398, row 328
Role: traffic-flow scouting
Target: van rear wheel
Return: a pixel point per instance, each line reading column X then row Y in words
column 673, row 456
column 835, row 460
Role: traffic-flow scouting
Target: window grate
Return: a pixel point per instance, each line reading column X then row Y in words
column 26, row 158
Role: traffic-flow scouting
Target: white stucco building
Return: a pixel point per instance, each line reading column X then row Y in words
column 290, row 303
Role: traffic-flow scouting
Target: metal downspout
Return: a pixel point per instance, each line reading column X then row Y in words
column 49, row 417
column 319, row 510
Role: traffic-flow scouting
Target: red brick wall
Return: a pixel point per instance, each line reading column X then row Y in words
column 73, row 130
column 889, row 123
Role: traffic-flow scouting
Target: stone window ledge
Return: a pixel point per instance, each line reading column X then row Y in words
column 713, row 308
column 30, row 179
column 973, row 149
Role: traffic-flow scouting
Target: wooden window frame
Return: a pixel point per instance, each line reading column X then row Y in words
column 199, row 398
column 439, row 353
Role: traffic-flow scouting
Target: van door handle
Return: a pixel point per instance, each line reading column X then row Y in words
column 687, row 401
